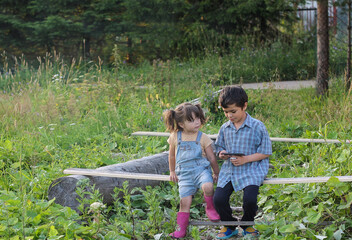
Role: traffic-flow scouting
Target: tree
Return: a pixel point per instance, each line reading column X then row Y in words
column 64, row 23
column 155, row 29
column 255, row 17
column 322, row 48
column 154, row 26
column 171, row 28
column 40, row 26
column 13, row 18
column 348, row 75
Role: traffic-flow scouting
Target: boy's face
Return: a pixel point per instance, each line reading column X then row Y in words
column 235, row 114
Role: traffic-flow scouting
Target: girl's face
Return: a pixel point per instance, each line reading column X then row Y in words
column 191, row 126
column 235, row 114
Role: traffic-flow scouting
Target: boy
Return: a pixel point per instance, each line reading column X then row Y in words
column 245, row 168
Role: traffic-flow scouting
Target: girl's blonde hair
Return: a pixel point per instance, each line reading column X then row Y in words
column 183, row 112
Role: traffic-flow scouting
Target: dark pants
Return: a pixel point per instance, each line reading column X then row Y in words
column 222, row 205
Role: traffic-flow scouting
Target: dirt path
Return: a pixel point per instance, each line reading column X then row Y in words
column 281, row 85
column 292, row 85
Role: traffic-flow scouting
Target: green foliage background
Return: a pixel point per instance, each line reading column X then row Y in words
column 60, row 110
column 59, row 115
column 142, row 30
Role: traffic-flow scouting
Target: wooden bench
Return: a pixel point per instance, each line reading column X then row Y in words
column 125, row 175
column 159, row 177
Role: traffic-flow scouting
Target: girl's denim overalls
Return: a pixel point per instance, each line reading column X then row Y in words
column 192, row 169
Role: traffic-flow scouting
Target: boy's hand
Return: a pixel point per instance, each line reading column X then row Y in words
column 222, row 155
column 238, row 161
column 173, row 177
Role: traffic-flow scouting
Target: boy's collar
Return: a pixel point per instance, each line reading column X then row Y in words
column 248, row 121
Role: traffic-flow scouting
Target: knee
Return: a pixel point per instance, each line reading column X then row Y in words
column 208, row 189
column 219, row 200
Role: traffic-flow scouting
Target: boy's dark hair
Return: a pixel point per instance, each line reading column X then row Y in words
column 183, row 112
column 233, row 95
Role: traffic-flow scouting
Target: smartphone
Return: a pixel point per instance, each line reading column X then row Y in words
column 235, row 154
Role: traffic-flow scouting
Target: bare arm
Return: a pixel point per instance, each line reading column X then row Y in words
column 212, row 159
column 172, row 163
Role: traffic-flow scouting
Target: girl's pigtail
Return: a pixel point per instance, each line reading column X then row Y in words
column 169, row 119
column 201, row 114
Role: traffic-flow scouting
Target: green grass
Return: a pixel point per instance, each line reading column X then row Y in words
column 60, row 115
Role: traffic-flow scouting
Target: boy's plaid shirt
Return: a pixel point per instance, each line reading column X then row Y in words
column 252, row 137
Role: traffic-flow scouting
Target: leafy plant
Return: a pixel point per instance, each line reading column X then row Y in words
column 63, row 115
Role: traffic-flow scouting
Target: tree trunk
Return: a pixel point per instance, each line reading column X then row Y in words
column 86, row 48
column 348, row 71
column 322, row 48
column 64, row 189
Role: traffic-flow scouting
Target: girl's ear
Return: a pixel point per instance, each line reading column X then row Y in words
column 181, row 125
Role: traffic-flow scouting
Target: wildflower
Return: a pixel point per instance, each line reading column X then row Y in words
column 96, row 206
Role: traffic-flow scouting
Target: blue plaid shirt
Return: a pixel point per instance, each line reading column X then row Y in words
column 252, row 137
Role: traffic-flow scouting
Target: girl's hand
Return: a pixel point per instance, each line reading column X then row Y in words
column 173, row 177
column 215, row 177
column 238, row 161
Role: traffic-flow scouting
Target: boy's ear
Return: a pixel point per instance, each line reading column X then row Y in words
column 245, row 106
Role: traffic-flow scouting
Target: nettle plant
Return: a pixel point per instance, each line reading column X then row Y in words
column 311, row 210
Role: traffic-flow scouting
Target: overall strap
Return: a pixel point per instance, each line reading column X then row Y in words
column 179, row 137
column 199, row 136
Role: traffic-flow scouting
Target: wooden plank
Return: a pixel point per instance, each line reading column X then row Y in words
column 224, row 223
column 116, row 174
column 305, row 180
column 163, row 134
column 246, row 223
column 273, row 139
column 158, row 177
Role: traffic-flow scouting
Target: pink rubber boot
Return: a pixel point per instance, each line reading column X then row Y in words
column 182, row 222
column 210, row 209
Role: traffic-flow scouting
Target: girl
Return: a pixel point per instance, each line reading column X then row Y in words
column 190, row 157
